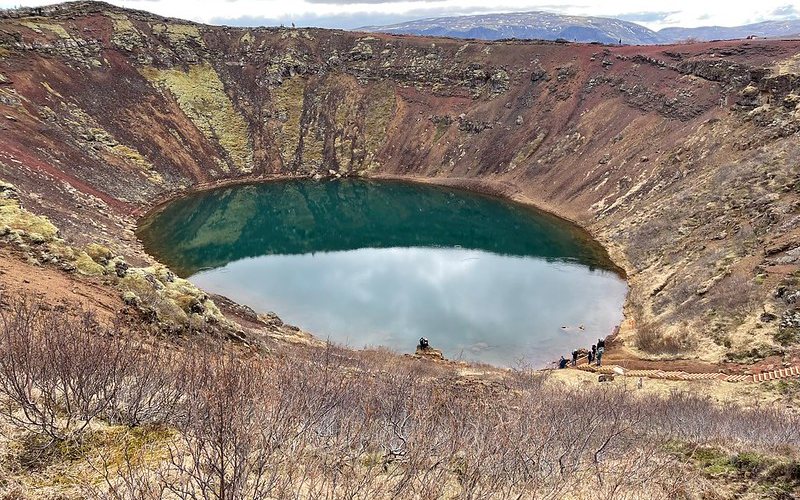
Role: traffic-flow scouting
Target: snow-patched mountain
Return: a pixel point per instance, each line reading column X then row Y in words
column 788, row 27
column 527, row 25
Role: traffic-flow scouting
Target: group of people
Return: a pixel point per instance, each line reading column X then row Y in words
column 594, row 355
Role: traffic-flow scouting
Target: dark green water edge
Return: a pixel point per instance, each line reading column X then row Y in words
column 209, row 229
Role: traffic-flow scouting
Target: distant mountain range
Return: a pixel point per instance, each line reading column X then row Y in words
column 766, row 29
column 534, row 25
column 550, row 26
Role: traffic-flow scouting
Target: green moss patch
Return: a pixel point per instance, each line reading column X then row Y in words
column 99, row 253
column 288, row 100
column 52, row 28
column 171, row 301
column 88, row 267
column 201, row 96
column 774, row 475
column 14, row 217
column 379, row 113
column 179, row 33
column 787, row 336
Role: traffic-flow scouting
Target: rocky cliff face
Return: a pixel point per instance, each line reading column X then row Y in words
column 681, row 159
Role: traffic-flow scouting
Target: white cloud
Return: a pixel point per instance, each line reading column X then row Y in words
column 685, row 13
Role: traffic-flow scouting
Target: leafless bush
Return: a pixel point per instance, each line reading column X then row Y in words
column 225, row 441
column 647, row 337
column 150, row 392
column 735, row 295
column 697, row 419
column 129, row 477
column 315, row 426
column 650, row 337
column 57, row 373
column 332, row 423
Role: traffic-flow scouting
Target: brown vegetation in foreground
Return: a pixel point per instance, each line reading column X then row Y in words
column 144, row 418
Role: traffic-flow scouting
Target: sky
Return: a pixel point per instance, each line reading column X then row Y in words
column 655, row 14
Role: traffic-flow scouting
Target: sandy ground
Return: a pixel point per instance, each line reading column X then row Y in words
column 20, row 278
column 745, row 394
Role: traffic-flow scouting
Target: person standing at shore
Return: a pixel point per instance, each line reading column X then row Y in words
column 601, row 347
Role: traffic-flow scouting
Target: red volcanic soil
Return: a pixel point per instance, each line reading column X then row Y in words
column 680, row 159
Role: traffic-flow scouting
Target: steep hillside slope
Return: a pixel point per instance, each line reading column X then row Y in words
column 527, row 25
column 682, row 160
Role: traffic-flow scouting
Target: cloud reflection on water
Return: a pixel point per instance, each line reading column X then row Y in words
column 470, row 303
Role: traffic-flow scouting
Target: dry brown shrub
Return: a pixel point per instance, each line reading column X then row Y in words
column 650, row 337
column 58, row 372
column 735, row 295
column 333, row 423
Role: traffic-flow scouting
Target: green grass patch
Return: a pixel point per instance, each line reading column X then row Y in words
column 754, row 355
column 201, row 96
column 775, row 476
column 787, row 336
column 712, row 461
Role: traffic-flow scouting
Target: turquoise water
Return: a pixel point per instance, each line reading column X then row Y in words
column 367, row 263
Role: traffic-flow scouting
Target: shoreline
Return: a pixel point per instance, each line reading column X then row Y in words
column 493, row 189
